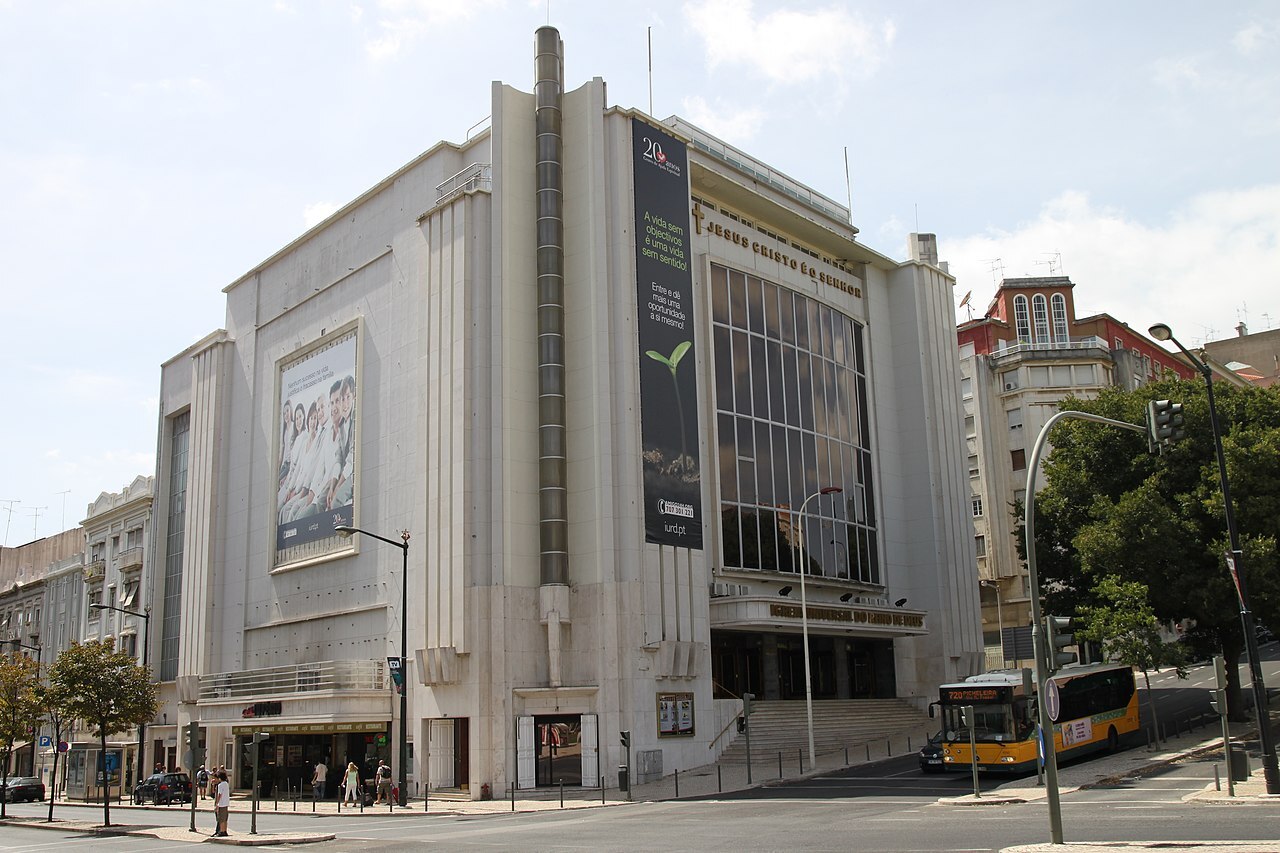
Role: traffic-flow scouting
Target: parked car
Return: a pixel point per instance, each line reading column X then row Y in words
column 931, row 755
column 22, row 789
column 163, row 789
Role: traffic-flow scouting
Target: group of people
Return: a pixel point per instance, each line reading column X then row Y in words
column 317, row 453
column 215, row 786
column 351, row 785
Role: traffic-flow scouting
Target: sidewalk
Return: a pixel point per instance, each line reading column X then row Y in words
column 699, row 782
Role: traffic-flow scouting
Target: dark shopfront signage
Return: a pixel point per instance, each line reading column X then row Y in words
column 263, row 709
column 856, row 617
column 311, row 728
column 668, row 348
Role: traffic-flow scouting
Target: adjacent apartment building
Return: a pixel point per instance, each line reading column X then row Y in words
column 602, row 386
column 1027, row 352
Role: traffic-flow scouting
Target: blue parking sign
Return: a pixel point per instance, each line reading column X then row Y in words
column 45, row 740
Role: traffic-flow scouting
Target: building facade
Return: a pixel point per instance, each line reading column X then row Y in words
column 617, row 382
column 1017, row 363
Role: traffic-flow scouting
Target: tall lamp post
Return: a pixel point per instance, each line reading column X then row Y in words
column 804, row 617
column 347, row 530
column 999, row 617
column 145, row 616
column 1235, row 563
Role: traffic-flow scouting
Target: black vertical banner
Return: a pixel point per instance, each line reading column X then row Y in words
column 668, row 383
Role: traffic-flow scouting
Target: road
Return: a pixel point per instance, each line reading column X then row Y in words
column 887, row 806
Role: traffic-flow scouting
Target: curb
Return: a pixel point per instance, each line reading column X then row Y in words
column 260, row 840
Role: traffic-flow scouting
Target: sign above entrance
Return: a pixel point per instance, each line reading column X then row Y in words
column 310, row 728
column 857, row 617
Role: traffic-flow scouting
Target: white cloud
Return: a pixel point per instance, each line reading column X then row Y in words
column 1253, row 39
column 1174, row 74
column 1213, row 259
column 736, row 127
column 790, row 46
column 401, row 23
column 314, row 214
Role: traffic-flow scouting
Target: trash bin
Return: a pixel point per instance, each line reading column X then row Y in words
column 1239, row 765
column 624, row 779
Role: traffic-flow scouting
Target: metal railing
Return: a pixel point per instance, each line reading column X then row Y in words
column 331, row 675
column 1014, row 348
column 477, row 176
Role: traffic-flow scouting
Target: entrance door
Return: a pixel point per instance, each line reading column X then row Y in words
column 441, row 759
column 590, row 753
column 559, row 749
column 526, row 752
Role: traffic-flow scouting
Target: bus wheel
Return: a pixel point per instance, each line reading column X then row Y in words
column 1113, row 740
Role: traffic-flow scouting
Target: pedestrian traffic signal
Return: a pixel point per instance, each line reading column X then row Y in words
column 1164, row 424
column 1218, row 701
column 1057, row 635
column 625, row 738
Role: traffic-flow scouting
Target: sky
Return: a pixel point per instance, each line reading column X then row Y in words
column 152, row 152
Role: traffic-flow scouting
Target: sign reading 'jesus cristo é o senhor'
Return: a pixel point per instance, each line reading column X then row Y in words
column 668, row 384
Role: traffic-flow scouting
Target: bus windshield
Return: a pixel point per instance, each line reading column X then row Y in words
column 993, row 723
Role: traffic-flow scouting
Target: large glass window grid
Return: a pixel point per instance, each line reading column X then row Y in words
column 1040, row 313
column 1059, row 307
column 791, row 417
column 1022, row 318
column 179, row 435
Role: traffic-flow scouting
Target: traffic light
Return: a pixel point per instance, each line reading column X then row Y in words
column 1218, row 701
column 1057, row 635
column 625, row 738
column 1164, row 424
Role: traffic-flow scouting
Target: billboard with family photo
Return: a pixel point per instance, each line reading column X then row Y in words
column 316, row 461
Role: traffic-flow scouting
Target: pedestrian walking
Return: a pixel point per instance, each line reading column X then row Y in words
column 202, row 783
column 383, row 778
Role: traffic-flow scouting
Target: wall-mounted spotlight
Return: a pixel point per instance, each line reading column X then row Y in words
column 900, row 602
column 786, row 590
column 846, row 597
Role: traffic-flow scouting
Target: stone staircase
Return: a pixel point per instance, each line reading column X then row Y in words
column 780, row 726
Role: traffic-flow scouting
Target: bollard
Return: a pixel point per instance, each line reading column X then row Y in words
column 1217, row 782
column 602, row 789
column 846, row 755
column 888, row 748
column 293, row 797
column 426, row 797
column 562, row 791
column 800, row 760
column 677, row 783
column 719, row 781
column 779, row 765
column 868, row 746
column 512, row 789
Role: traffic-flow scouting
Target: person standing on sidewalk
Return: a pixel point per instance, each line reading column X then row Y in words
column 222, row 803
column 383, row 778
column 318, row 780
column 351, row 782
column 202, row 783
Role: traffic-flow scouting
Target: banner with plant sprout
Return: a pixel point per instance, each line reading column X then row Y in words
column 668, row 345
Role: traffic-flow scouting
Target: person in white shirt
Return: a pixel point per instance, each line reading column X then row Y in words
column 222, row 803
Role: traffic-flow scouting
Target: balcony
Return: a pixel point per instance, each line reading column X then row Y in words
column 1071, row 347
column 131, row 559
column 477, row 176
column 95, row 569
column 331, row 676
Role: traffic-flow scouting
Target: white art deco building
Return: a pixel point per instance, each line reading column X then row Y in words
column 593, row 364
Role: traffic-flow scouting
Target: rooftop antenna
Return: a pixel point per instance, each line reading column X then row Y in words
column 967, row 304
column 917, row 209
column 995, row 265
column 64, row 507
column 1054, row 262
column 1266, row 318
column 8, row 518
column 35, row 520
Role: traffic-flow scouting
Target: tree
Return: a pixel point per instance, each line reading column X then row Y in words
column 1111, row 508
column 106, row 690
column 1127, row 628
column 53, row 701
column 19, row 708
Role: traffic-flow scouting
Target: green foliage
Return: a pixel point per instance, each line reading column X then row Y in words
column 19, row 705
column 105, row 689
column 1127, row 628
column 1111, row 509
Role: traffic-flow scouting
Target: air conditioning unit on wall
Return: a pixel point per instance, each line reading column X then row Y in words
column 721, row 590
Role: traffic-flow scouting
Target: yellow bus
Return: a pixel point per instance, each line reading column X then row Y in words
column 1093, row 707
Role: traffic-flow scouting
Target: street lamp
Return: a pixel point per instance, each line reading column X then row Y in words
column 1235, row 563
column 804, row 617
column 145, row 616
column 346, row 531
column 999, row 618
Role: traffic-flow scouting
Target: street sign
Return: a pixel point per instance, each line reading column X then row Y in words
column 45, row 740
column 63, row 746
column 1052, row 699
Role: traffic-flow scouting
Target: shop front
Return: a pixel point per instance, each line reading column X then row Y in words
column 286, row 760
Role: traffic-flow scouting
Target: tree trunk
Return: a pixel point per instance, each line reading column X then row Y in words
column 106, row 786
column 53, row 779
column 4, row 797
